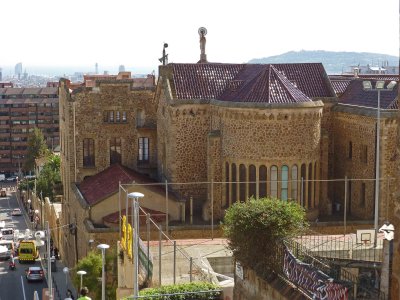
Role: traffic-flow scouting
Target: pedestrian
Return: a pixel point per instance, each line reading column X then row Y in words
column 84, row 292
column 70, row 296
column 56, row 253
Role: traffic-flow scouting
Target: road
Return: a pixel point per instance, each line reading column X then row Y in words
column 13, row 283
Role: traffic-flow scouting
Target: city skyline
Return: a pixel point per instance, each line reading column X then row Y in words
column 133, row 34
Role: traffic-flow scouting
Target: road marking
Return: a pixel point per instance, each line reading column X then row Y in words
column 23, row 288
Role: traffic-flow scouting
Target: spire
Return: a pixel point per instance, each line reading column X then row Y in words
column 202, row 33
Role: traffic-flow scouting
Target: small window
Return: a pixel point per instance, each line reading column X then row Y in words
column 143, row 149
column 362, row 194
column 115, row 150
column 350, row 153
column 274, row 181
column 284, row 184
column 88, row 153
column 111, row 116
column 364, row 154
column 124, row 117
column 117, row 117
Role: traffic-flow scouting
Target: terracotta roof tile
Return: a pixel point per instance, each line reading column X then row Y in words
column 103, row 184
column 265, row 85
column 157, row 216
column 250, row 82
column 355, row 95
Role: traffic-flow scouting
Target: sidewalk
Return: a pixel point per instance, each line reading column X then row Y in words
column 61, row 281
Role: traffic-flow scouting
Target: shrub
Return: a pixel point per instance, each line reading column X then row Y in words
column 183, row 291
column 255, row 229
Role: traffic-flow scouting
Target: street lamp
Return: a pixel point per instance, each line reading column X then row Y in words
column 66, row 271
column 135, row 241
column 103, row 248
column 379, row 87
column 81, row 273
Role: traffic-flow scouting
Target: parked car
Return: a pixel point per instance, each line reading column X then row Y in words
column 11, row 179
column 16, row 212
column 2, row 177
column 34, row 274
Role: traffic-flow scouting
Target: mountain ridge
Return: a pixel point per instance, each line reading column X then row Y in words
column 334, row 62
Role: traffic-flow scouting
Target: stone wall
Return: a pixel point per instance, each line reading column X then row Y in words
column 356, row 133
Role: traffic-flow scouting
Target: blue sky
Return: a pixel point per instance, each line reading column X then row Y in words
column 132, row 33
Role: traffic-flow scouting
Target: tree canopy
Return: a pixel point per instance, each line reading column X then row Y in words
column 92, row 264
column 256, row 228
column 49, row 179
column 37, row 147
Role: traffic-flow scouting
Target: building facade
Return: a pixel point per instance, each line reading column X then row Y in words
column 107, row 120
column 21, row 110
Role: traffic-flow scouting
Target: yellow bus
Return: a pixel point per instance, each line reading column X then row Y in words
column 27, row 251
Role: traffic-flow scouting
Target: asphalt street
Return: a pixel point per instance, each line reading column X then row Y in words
column 13, row 283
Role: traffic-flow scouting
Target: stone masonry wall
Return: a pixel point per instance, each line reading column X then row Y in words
column 360, row 168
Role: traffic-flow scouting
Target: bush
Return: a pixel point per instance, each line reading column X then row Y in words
column 184, row 291
column 255, row 229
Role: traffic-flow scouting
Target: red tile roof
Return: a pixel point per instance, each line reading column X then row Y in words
column 157, row 216
column 355, row 95
column 277, row 83
column 106, row 183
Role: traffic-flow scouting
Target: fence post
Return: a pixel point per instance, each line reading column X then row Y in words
column 174, row 262
column 148, row 242
column 159, row 254
column 345, row 204
column 166, row 205
column 191, row 210
column 191, row 269
column 212, row 209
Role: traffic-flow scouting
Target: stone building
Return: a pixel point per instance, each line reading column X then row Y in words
column 221, row 133
column 108, row 120
column 255, row 130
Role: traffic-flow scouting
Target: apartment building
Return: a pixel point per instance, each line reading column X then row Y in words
column 21, row 110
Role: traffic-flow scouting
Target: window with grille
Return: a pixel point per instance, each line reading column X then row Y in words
column 143, row 149
column 115, row 150
column 88, row 153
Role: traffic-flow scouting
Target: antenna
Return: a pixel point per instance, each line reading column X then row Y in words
column 164, row 58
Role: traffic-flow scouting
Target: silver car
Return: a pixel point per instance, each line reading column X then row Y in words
column 34, row 274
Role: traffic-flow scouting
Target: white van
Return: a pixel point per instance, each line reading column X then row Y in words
column 7, row 234
column 2, row 177
column 10, row 246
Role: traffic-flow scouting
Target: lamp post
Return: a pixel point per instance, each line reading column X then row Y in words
column 81, row 273
column 379, row 87
column 66, row 271
column 135, row 241
column 103, row 248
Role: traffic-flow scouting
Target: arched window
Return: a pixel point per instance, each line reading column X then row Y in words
column 226, row 183
column 293, row 194
column 243, row 183
column 262, row 182
column 310, row 180
column 303, row 185
column 284, row 182
column 274, row 181
column 252, row 183
column 233, row 185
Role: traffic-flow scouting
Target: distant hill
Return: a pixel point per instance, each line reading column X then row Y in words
column 334, row 62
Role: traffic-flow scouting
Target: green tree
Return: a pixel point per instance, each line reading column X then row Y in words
column 49, row 179
column 92, row 264
column 255, row 229
column 37, row 147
